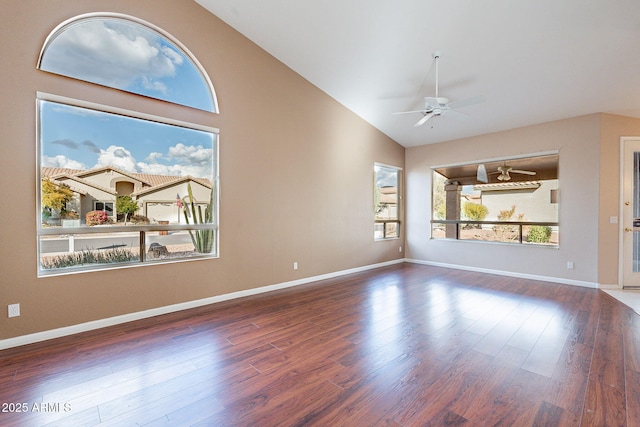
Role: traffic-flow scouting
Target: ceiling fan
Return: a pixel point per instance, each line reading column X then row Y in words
column 437, row 105
column 502, row 172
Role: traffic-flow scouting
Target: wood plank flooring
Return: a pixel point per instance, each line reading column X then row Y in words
column 406, row 345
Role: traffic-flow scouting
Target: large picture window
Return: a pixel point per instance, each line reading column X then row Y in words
column 120, row 187
column 116, row 188
column 511, row 200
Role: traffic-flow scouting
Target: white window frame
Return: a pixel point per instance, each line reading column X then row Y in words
column 384, row 222
column 153, row 28
column 43, row 232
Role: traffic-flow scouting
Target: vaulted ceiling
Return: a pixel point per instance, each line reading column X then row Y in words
column 532, row 61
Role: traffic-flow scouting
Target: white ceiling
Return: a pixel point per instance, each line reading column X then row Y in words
column 533, row 60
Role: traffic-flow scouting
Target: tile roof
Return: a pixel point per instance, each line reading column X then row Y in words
column 149, row 179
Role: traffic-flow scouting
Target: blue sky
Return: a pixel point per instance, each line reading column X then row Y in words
column 128, row 56
column 386, row 176
column 125, row 55
column 78, row 138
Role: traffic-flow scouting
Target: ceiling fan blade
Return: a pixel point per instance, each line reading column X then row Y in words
column 482, row 174
column 469, row 101
column 458, row 114
column 424, row 119
column 414, row 111
column 522, row 172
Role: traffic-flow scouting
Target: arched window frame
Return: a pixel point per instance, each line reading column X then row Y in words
column 128, row 18
column 145, row 253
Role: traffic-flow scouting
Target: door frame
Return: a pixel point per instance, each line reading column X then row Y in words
column 624, row 141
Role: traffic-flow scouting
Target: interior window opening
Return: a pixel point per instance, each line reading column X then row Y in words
column 509, row 201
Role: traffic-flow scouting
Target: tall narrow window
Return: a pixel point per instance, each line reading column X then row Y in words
column 386, row 202
column 122, row 187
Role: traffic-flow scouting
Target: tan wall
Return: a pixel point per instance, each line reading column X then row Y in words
column 295, row 173
column 578, row 143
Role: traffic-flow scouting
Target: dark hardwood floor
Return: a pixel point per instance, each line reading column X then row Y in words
column 406, row 345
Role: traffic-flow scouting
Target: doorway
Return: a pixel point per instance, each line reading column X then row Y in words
column 630, row 213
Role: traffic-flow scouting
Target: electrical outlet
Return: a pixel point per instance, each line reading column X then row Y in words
column 570, row 265
column 295, row 265
column 14, row 310
column 400, row 249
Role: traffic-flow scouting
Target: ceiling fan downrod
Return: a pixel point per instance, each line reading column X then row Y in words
column 436, row 56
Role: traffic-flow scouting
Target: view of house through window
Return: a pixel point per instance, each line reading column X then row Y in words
column 511, row 200
column 120, row 187
column 105, row 178
column 386, row 206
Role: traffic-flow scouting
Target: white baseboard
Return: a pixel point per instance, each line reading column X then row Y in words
column 507, row 273
column 116, row 320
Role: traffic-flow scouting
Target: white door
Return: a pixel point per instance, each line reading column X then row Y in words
column 630, row 221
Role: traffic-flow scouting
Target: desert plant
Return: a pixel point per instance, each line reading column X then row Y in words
column 507, row 232
column 96, row 218
column 203, row 240
column 109, row 256
column 539, row 234
column 475, row 212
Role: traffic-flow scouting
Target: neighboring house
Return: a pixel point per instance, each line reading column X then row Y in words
column 156, row 195
column 388, row 203
column 534, row 199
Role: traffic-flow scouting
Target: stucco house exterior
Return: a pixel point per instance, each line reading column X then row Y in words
column 534, row 199
column 156, row 195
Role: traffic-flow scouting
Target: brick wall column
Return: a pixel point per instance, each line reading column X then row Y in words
column 452, row 190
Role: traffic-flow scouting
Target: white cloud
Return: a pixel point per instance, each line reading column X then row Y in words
column 114, row 53
column 154, row 85
column 197, row 171
column 118, row 157
column 184, row 160
column 194, row 160
column 155, row 169
column 191, row 154
column 61, row 161
column 154, row 157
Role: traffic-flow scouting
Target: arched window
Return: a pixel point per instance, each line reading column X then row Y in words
column 126, row 53
column 122, row 187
